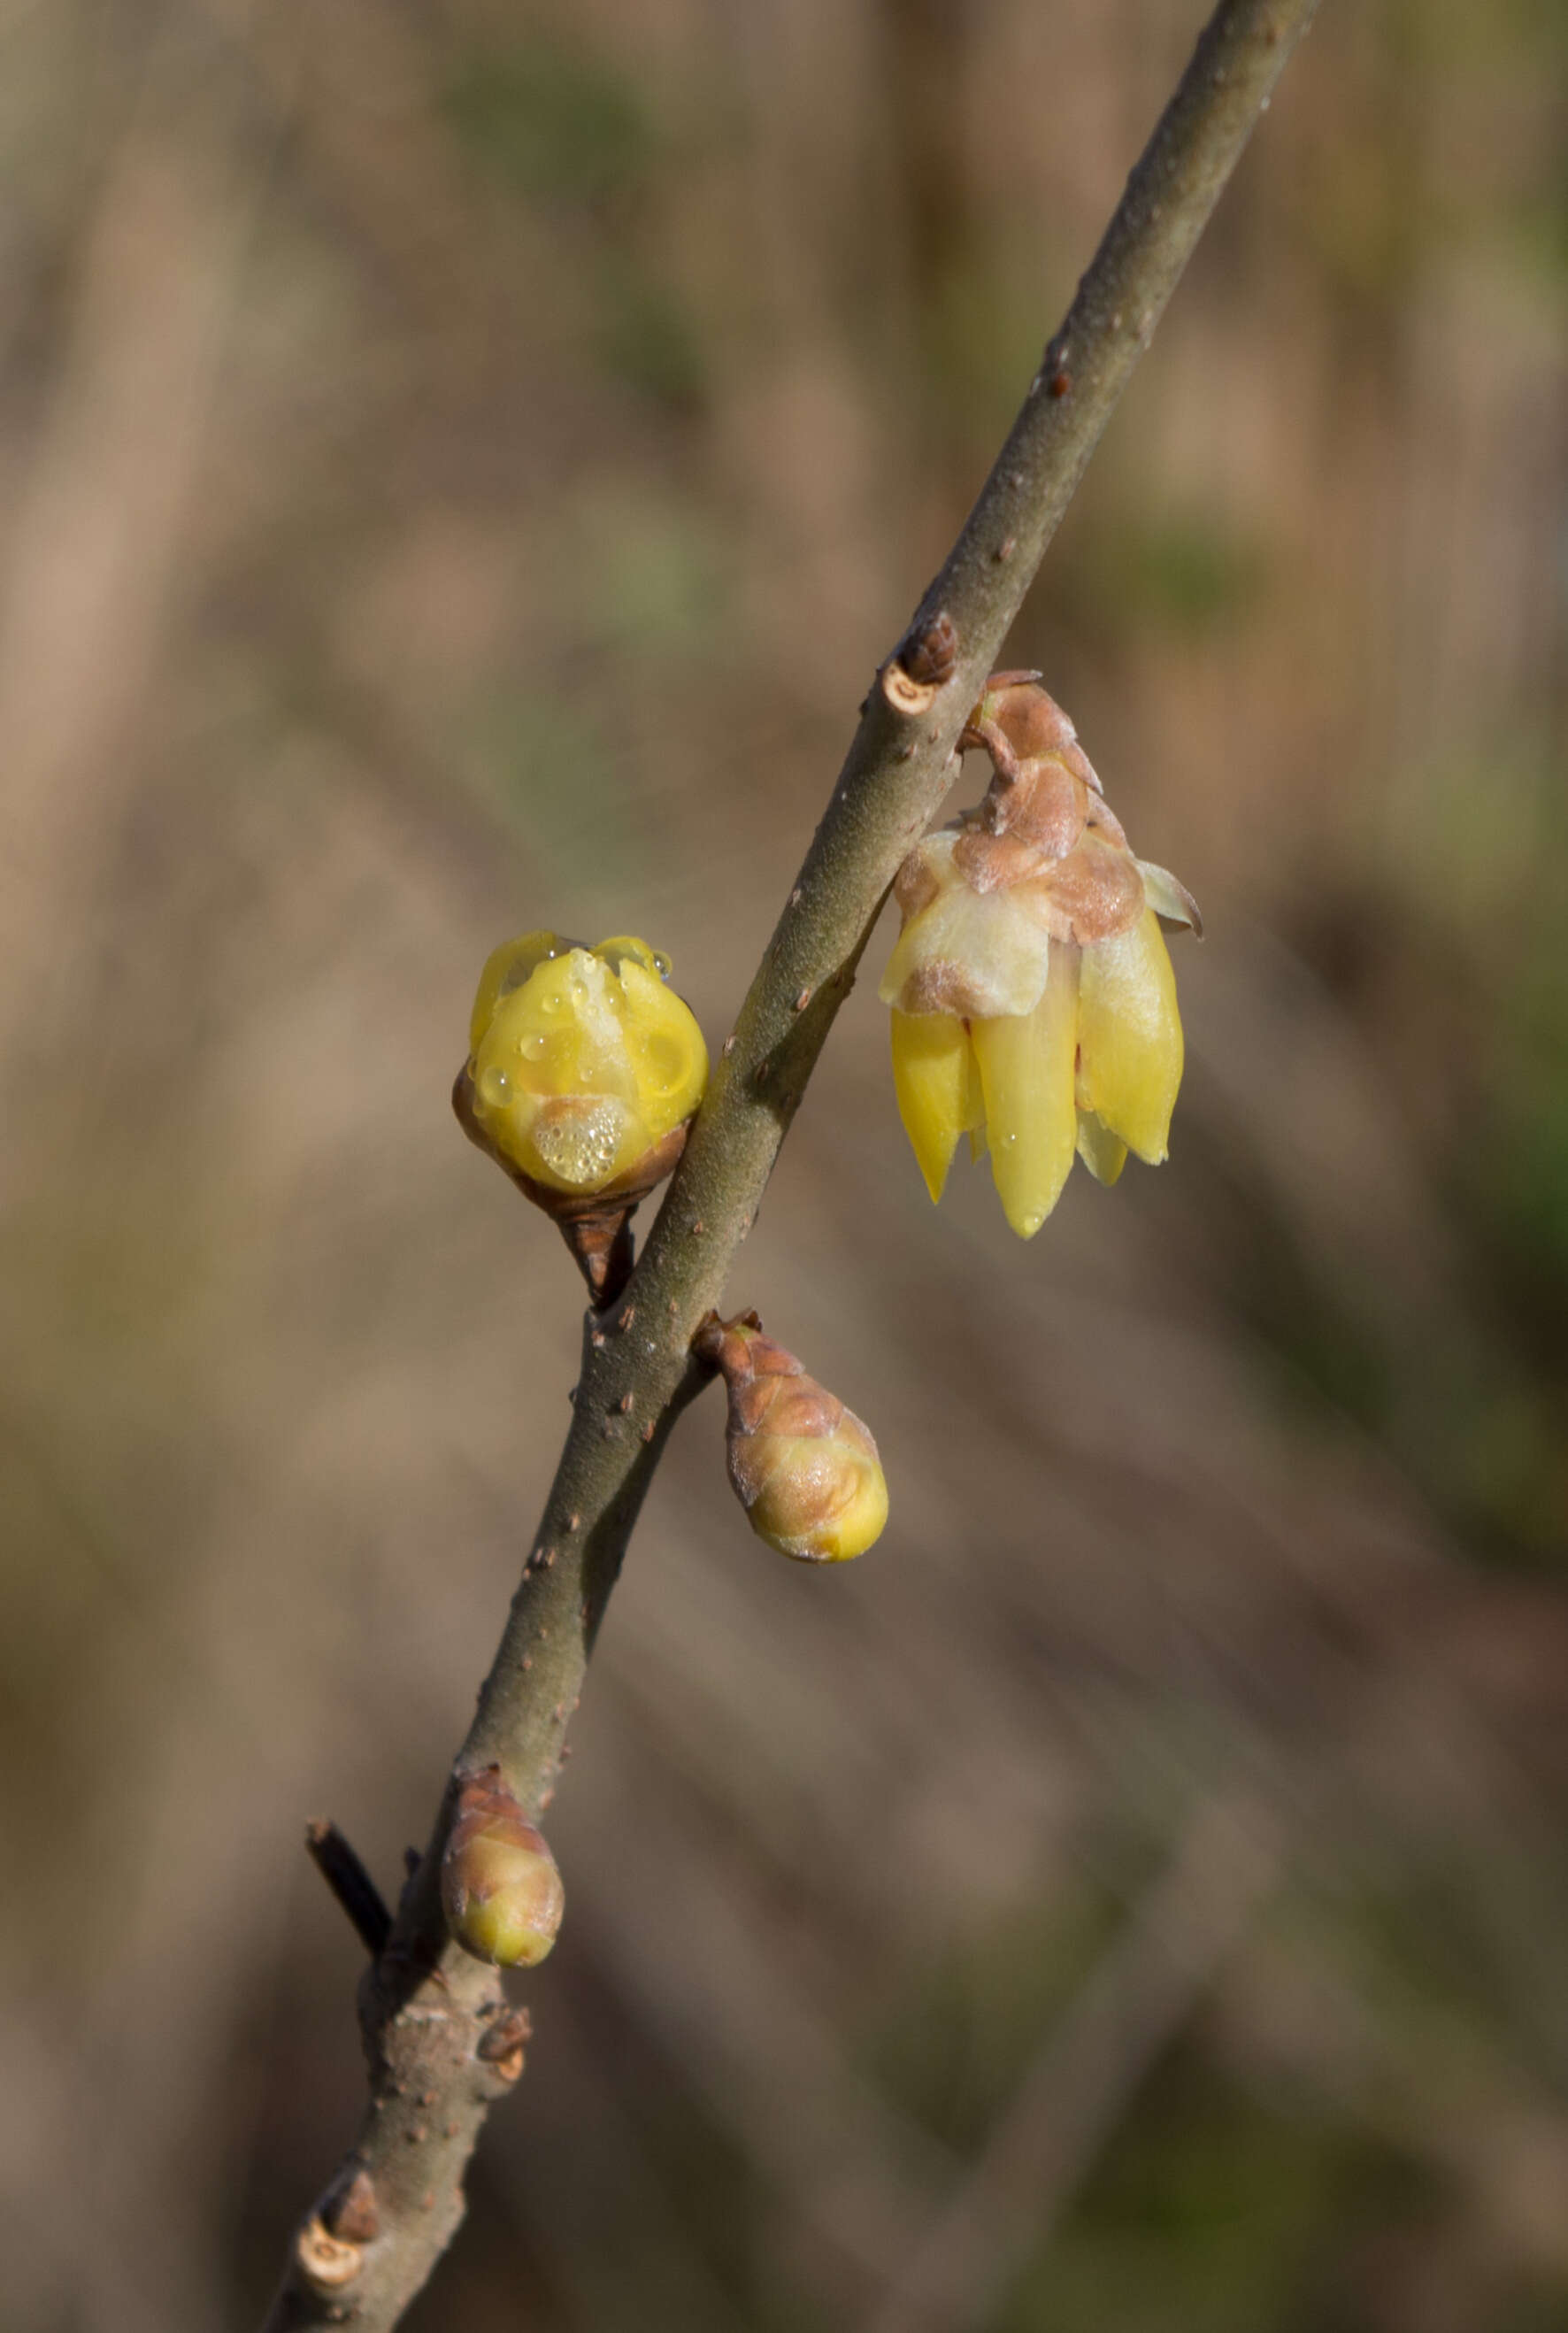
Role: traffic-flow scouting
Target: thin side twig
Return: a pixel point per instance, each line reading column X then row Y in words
column 339, row 1866
column 429, row 2015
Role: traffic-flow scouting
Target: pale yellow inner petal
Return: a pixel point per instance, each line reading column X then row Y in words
column 1104, row 1154
column 1027, row 1074
column 938, row 1089
column 991, row 947
column 1131, row 1035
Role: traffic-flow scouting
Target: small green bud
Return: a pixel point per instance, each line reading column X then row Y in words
column 500, row 1886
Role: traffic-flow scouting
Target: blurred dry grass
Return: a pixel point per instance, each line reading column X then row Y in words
column 460, row 463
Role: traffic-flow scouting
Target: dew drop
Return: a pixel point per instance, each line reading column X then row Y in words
column 531, row 1048
column 662, row 964
column 495, row 1088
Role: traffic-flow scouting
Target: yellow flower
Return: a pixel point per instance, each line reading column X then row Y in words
column 581, row 1059
column 1034, row 1007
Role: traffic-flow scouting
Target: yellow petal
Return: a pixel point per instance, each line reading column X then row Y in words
column 615, row 951
column 1104, row 1154
column 1026, row 1073
column 933, row 1076
column 507, row 968
column 669, row 1060
column 1131, row 1035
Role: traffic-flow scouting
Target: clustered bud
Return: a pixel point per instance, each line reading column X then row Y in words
column 804, row 1467
column 583, row 1072
column 1034, row 1006
column 500, row 1886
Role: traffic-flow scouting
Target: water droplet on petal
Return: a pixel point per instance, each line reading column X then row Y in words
column 495, row 1088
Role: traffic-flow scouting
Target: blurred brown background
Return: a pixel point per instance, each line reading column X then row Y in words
column 460, row 464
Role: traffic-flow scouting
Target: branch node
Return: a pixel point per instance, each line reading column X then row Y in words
column 351, row 2211
column 502, row 2045
column 924, row 662
column 326, row 2264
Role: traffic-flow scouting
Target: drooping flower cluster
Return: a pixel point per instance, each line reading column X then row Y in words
column 1034, row 1006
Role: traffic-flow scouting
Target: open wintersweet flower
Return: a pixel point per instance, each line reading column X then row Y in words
column 1034, row 1006
column 582, row 1063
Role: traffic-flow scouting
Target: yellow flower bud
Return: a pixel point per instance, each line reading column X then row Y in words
column 804, row 1467
column 581, row 1059
column 1034, row 1006
column 500, row 1886
column 582, row 1075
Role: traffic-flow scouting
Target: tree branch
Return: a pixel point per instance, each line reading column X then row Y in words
column 440, row 2042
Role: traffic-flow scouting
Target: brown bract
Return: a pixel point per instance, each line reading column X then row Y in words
column 352, row 2212
column 1019, row 722
column 1043, row 834
column 1093, row 893
column 505, row 2042
column 989, row 861
column 767, row 1386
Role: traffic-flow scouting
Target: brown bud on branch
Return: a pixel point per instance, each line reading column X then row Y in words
column 804, row 1467
column 500, row 1886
